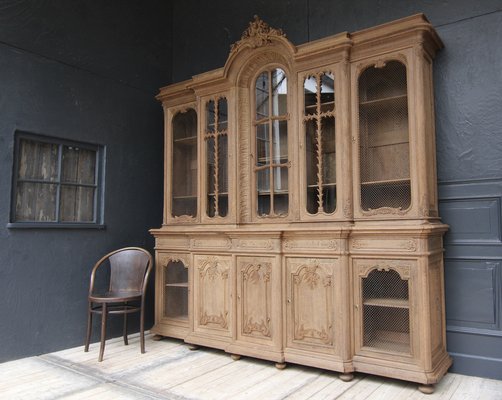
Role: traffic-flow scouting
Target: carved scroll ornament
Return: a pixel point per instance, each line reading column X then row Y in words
column 258, row 34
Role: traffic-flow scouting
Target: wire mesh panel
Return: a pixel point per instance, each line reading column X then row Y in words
column 384, row 137
column 386, row 318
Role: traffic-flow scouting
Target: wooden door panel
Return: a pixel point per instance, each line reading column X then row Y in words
column 212, row 301
column 311, row 302
column 255, row 281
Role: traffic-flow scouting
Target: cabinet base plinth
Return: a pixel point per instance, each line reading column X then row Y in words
column 280, row 365
column 347, row 377
column 426, row 389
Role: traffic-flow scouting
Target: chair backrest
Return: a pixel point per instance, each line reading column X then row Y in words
column 129, row 268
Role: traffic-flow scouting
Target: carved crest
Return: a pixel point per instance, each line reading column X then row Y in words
column 258, row 34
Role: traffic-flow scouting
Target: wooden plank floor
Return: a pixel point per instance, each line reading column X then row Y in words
column 169, row 370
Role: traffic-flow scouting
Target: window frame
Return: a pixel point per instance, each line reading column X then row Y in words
column 98, row 205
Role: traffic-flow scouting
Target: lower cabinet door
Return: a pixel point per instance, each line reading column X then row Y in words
column 212, row 295
column 259, row 300
column 311, row 304
column 384, row 299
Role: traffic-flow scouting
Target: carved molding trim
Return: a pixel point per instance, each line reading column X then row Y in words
column 165, row 259
column 265, row 244
column 362, row 244
column 329, row 244
column 251, row 271
column 184, row 218
column 347, row 209
column 308, row 273
column 301, row 333
column 209, row 267
column 262, row 327
column 424, row 207
column 214, row 319
column 244, row 154
column 258, row 34
column 223, row 243
column 404, row 270
column 385, row 211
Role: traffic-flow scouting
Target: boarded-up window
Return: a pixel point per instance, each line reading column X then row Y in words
column 56, row 182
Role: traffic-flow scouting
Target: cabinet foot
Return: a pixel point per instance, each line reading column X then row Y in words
column 235, row 357
column 346, row 377
column 280, row 365
column 426, row 389
column 193, row 347
column 157, row 337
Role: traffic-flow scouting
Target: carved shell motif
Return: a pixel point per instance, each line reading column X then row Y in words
column 258, row 34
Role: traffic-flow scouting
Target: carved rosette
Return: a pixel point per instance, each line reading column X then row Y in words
column 258, row 34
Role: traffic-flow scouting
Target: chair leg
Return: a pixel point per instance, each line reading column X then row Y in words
column 89, row 328
column 125, row 325
column 142, row 329
column 104, row 312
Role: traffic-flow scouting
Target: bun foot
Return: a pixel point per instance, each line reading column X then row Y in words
column 193, row 347
column 157, row 337
column 235, row 357
column 347, row 377
column 280, row 365
column 426, row 389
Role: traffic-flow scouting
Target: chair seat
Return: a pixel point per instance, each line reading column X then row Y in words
column 113, row 297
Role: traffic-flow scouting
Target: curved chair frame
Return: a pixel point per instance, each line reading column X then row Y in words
column 117, row 302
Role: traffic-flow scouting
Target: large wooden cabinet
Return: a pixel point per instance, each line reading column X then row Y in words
column 300, row 217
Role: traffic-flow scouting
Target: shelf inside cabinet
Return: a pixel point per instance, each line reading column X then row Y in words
column 401, row 181
column 185, row 197
column 396, row 342
column 387, row 302
column 190, row 140
column 181, row 284
column 383, row 101
column 324, row 185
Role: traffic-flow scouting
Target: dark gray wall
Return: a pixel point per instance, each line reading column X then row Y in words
column 86, row 71
column 468, row 90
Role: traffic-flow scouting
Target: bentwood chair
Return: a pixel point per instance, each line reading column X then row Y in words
column 129, row 271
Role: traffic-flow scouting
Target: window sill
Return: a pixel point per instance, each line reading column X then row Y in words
column 45, row 225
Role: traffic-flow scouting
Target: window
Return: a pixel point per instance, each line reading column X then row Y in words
column 56, row 183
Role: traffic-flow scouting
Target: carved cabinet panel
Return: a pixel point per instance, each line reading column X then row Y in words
column 212, row 294
column 258, row 299
column 311, row 303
